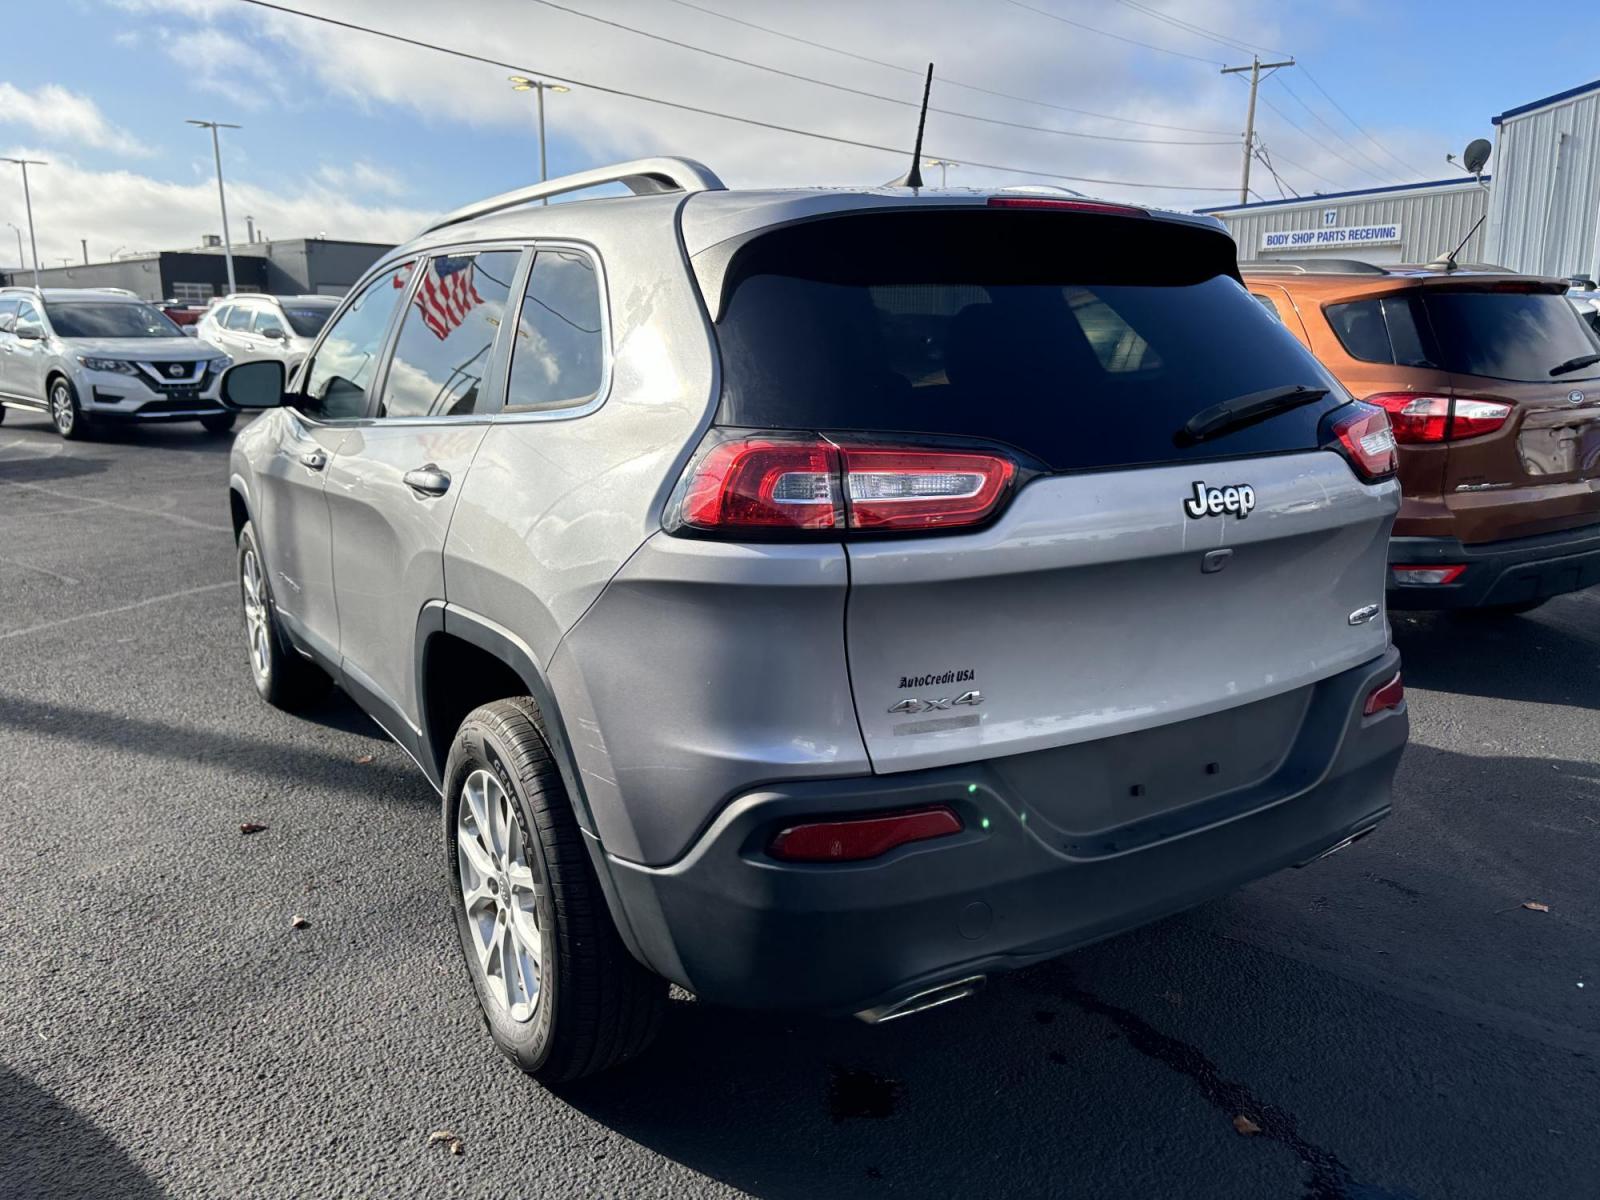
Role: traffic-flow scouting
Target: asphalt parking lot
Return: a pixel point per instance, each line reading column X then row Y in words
column 1392, row 1020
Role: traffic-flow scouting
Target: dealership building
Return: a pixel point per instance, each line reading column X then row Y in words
column 293, row 267
column 1541, row 204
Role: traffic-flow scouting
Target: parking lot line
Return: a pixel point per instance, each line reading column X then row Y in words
column 121, row 608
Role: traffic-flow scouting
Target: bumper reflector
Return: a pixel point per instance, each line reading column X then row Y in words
column 1428, row 576
column 1385, row 696
column 860, row 838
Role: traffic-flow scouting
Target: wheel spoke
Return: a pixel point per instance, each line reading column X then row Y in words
column 474, row 851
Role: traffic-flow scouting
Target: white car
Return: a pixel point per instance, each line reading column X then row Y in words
column 253, row 325
column 94, row 356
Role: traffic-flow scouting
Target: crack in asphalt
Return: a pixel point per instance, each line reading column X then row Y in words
column 1328, row 1178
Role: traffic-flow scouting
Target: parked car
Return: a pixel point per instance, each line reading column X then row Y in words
column 184, row 316
column 252, row 325
column 812, row 620
column 1587, row 301
column 95, row 356
column 1492, row 383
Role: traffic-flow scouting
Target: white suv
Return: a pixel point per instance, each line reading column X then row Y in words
column 253, row 326
column 100, row 355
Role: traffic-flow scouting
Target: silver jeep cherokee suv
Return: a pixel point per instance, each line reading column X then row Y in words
column 824, row 599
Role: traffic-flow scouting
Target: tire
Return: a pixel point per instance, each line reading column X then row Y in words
column 65, row 413
column 284, row 678
column 520, row 880
column 218, row 423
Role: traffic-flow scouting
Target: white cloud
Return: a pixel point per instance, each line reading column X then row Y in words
column 131, row 211
column 363, row 178
column 54, row 112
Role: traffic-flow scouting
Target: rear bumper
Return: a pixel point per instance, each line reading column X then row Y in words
column 738, row 927
column 1508, row 572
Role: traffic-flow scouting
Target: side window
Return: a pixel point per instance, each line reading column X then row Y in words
column 267, row 319
column 447, row 336
column 1379, row 331
column 558, row 358
column 221, row 316
column 1266, row 302
column 238, row 318
column 27, row 315
column 337, row 379
column 8, row 314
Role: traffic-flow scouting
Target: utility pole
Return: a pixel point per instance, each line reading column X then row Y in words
column 84, row 242
column 1255, row 68
column 27, row 199
column 222, row 197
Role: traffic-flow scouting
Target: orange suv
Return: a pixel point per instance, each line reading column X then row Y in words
column 1492, row 383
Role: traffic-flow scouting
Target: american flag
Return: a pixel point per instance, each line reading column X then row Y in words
column 447, row 294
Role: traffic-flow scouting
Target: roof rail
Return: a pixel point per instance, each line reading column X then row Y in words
column 642, row 176
column 1311, row 266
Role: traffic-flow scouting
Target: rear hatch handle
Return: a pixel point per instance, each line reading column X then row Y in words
column 1245, row 410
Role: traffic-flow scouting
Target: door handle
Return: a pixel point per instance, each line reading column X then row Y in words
column 428, row 480
column 314, row 459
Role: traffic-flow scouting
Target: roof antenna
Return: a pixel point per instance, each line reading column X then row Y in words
column 1447, row 262
column 913, row 177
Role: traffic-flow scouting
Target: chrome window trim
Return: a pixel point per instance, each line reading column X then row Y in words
column 512, row 414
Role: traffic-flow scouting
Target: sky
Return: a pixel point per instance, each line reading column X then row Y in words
column 350, row 136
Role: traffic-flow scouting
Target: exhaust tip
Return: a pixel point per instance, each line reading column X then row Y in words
column 921, row 1001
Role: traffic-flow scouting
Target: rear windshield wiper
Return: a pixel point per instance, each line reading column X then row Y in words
column 1247, row 410
column 1575, row 364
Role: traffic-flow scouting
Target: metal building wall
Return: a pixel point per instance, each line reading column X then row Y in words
column 1546, row 204
column 1431, row 222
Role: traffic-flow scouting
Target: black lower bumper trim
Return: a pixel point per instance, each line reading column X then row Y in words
column 1518, row 571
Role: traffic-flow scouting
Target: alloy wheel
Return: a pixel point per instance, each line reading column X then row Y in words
column 501, row 892
column 61, row 408
column 255, row 614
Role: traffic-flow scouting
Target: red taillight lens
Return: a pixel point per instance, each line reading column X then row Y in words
column 1422, row 418
column 921, row 489
column 861, row 838
column 764, row 483
column 1082, row 206
column 1385, row 696
column 1361, row 432
column 767, row 484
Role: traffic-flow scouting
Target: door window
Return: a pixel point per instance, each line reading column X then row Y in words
column 1266, row 302
column 337, row 379
column 8, row 314
column 238, row 319
column 26, row 315
column 220, row 317
column 447, row 336
column 267, row 319
column 558, row 359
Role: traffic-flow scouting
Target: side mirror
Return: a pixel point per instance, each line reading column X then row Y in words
column 275, row 334
column 30, row 333
column 252, row 386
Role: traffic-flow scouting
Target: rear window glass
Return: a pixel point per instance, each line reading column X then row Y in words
column 1508, row 335
column 307, row 320
column 1084, row 341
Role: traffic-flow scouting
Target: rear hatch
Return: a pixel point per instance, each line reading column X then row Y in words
column 1133, row 579
column 1521, row 346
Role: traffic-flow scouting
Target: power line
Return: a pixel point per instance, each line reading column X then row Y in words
column 1305, row 170
column 1311, row 137
column 840, row 87
column 1318, row 117
column 1044, row 12
column 1210, row 35
column 709, row 112
column 1357, row 127
column 945, row 79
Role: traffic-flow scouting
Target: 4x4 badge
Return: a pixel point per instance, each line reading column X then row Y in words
column 942, row 702
column 1235, row 498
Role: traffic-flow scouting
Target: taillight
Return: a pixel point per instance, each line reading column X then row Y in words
column 777, row 485
column 1361, row 432
column 858, row 838
column 1419, row 418
column 1082, row 206
column 1385, row 696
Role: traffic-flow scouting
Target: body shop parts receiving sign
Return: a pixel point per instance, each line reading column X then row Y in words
column 1321, row 239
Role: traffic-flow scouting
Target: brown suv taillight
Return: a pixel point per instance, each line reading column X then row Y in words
column 1361, row 432
column 775, row 485
column 1421, row 418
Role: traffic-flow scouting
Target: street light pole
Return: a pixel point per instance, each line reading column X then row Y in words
column 222, row 196
column 27, row 200
column 521, row 83
column 21, row 261
column 944, row 165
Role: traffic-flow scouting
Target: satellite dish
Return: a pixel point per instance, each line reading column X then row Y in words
column 1476, row 155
